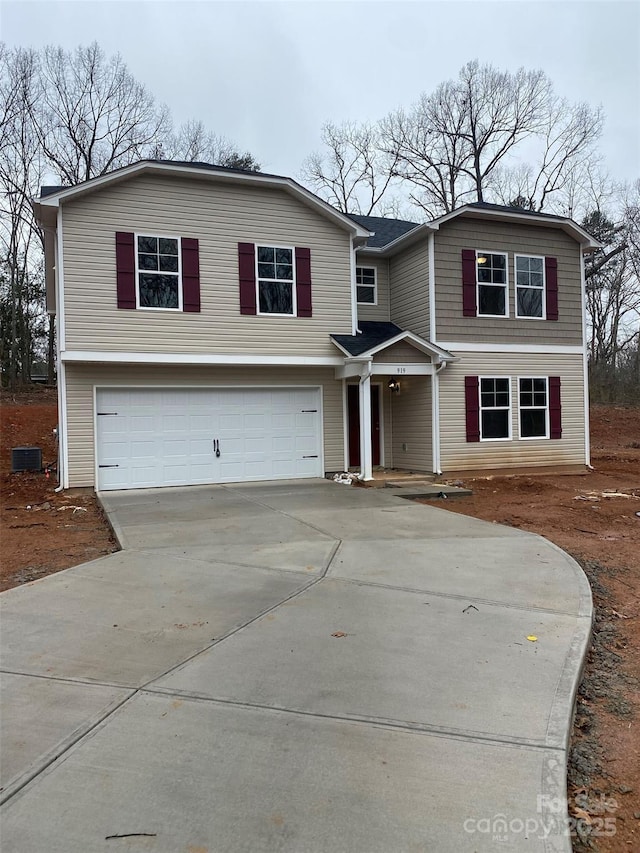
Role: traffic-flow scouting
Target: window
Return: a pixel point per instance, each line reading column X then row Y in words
column 530, row 286
column 534, row 408
column 366, row 288
column 491, row 276
column 275, row 280
column 495, row 408
column 158, row 272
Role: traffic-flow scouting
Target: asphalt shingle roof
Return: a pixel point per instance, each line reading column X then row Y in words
column 372, row 334
column 387, row 230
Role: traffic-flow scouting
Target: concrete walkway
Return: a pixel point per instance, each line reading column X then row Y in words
column 295, row 666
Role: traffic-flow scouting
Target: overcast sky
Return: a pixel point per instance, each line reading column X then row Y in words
column 268, row 74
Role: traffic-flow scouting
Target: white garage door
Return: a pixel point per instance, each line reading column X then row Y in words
column 184, row 436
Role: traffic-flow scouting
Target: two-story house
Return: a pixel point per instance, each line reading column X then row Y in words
column 218, row 326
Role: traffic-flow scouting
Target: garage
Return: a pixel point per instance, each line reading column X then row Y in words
column 148, row 437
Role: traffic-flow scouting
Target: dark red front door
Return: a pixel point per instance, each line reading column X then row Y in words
column 353, row 405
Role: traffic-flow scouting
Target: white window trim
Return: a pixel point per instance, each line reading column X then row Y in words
column 544, row 289
column 547, row 420
column 294, row 300
column 508, row 437
column 178, row 274
column 504, row 316
column 374, row 285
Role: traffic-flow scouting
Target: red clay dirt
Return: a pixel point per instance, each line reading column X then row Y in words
column 577, row 512
column 59, row 530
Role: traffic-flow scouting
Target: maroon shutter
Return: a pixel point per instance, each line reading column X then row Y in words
column 469, row 308
column 125, row 269
column 551, row 276
column 555, row 409
column 472, row 407
column 247, row 272
column 303, row 282
column 190, row 274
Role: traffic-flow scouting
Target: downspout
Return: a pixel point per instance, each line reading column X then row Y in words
column 585, row 364
column 431, row 265
column 435, row 417
column 60, row 368
column 354, row 301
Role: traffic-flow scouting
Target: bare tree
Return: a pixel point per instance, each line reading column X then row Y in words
column 613, row 295
column 353, row 174
column 194, row 143
column 76, row 115
column 22, row 321
column 91, row 116
column 450, row 144
column 564, row 162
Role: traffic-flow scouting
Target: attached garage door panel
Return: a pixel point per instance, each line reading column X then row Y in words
column 168, row 437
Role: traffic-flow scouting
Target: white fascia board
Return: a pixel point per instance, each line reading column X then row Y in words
column 288, row 184
column 465, row 346
column 578, row 233
column 341, row 348
column 424, row 346
column 96, row 357
column 349, row 371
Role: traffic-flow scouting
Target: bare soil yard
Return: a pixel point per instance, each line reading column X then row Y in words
column 591, row 515
column 58, row 530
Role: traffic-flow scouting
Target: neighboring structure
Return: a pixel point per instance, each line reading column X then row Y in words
column 216, row 325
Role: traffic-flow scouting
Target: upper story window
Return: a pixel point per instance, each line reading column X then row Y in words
column 366, row 286
column 530, row 286
column 534, row 407
column 158, row 272
column 495, row 408
column 275, row 280
column 492, row 282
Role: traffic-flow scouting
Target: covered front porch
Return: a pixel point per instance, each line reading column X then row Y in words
column 390, row 389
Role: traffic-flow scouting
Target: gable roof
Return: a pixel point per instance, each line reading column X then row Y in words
column 506, row 213
column 394, row 234
column 386, row 230
column 52, row 197
column 371, row 334
column 375, row 336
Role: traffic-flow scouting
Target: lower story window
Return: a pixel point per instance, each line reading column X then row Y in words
column 495, row 408
column 534, row 407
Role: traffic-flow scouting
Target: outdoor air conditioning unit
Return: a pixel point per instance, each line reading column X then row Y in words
column 26, row 459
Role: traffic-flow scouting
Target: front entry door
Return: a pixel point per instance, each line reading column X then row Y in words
column 353, row 405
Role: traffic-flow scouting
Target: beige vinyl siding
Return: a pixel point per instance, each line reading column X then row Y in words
column 467, row 233
column 458, row 454
column 219, row 215
column 411, row 424
column 409, row 287
column 379, row 312
column 401, row 353
column 81, row 380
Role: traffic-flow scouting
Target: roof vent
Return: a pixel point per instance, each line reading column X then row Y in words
column 26, row 459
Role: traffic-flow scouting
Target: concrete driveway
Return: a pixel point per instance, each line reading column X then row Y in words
column 295, row 666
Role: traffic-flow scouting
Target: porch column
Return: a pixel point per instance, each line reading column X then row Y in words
column 366, row 450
